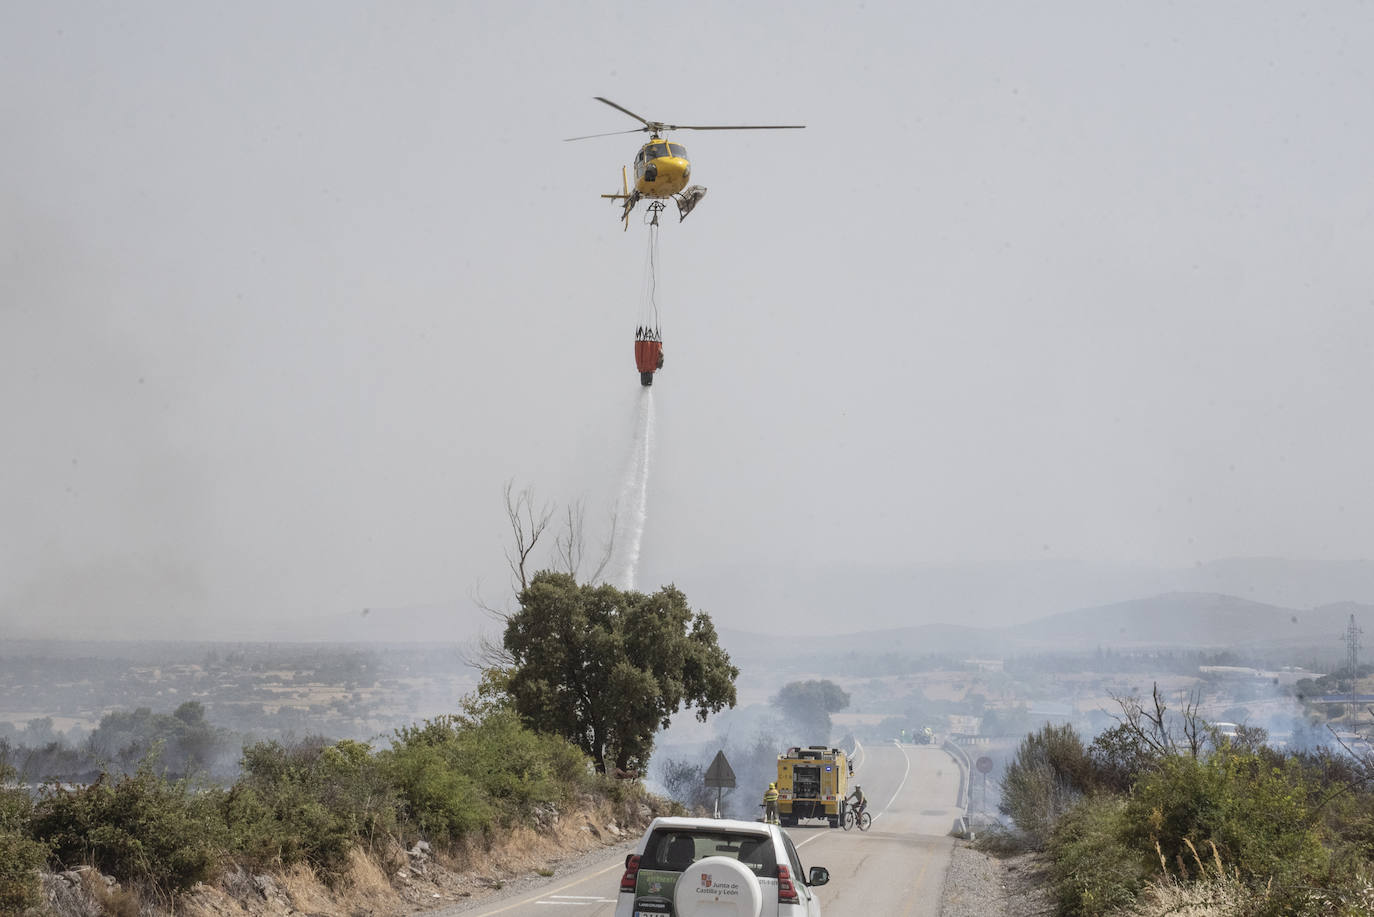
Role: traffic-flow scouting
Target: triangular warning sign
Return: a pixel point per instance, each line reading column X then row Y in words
column 719, row 773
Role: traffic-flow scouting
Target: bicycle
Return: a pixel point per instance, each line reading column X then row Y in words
column 864, row 820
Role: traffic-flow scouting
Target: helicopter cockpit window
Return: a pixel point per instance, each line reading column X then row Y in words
column 656, row 150
column 678, row 150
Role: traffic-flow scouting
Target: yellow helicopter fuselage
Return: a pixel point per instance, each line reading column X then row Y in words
column 661, row 169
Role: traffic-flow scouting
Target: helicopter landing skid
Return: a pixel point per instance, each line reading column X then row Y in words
column 629, row 197
column 687, row 200
column 630, row 200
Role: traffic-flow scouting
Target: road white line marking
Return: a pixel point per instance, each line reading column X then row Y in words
column 907, row 759
column 583, row 897
column 534, row 898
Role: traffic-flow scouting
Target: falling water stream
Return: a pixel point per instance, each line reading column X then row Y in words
column 632, row 508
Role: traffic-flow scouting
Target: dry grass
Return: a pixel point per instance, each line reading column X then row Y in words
column 362, row 887
column 365, row 884
column 1207, row 898
column 306, row 891
column 1215, row 892
column 114, row 901
column 525, row 849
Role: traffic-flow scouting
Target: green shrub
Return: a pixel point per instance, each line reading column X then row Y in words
column 1093, row 868
column 1050, row 772
column 20, row 860
column 20, row 856
column 1256, row 813
column 1119, row 757
column 313, row 802
column 141, row 829
column 511, row 764
column 442, row 803
column 460, row 775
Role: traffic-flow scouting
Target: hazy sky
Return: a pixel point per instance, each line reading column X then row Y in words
column 289, row 291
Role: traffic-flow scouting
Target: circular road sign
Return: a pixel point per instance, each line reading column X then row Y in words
column 984, row 765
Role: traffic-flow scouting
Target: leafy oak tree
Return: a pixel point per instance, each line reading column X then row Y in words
column 809, row 705
column 606, row 668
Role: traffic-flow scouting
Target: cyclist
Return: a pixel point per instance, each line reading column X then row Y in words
column 858, row 801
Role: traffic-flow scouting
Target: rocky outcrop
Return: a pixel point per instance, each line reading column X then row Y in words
column 83, row 892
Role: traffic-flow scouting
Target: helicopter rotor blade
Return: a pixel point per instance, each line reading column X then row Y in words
column 643, row 121
column 731, row 127
column 633, row 130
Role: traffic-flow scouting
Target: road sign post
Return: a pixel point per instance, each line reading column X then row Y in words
column 721, row 776
column 984, row 765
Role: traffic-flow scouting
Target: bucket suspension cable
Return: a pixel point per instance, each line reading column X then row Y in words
column 651, row 280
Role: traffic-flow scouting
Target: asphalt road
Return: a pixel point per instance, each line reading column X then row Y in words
column 896, row 868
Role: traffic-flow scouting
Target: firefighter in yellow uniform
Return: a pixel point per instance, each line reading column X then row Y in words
column 770, row 804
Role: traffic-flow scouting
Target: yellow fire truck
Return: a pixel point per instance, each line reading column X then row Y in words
column 812, row 783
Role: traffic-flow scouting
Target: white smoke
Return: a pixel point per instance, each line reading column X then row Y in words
column 632, row 509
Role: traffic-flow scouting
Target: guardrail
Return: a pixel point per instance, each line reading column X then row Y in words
column 961, row 758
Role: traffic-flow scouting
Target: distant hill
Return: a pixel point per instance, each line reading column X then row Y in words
column 1174, row 620
column 1282, row 581
column 1195, row 620
column 989, row 595
column 1187, row 619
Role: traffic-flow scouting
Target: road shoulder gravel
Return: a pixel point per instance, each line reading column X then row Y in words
column 981, row 885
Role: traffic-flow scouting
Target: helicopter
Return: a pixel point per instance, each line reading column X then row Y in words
column 662, row 169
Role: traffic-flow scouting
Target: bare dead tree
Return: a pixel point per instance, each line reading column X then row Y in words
column 529, row 520
column 1161, row 733
column 571, row 544
column 1195, row 731
column 526, row 524
column 607, row 549
column 1362, row 762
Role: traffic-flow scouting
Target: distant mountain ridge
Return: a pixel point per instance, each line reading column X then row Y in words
column 992, row 595
column 1172, row 620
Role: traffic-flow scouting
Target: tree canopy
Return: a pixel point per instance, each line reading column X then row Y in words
column 606, row 668
column 809, row 704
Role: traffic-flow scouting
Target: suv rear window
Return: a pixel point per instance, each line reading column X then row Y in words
column 674, row 850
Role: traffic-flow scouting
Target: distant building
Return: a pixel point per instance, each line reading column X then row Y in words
column 965, row 725
column 1288, row 675
column 1052, row 712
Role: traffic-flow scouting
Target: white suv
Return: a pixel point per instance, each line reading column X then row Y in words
column 685, row 867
